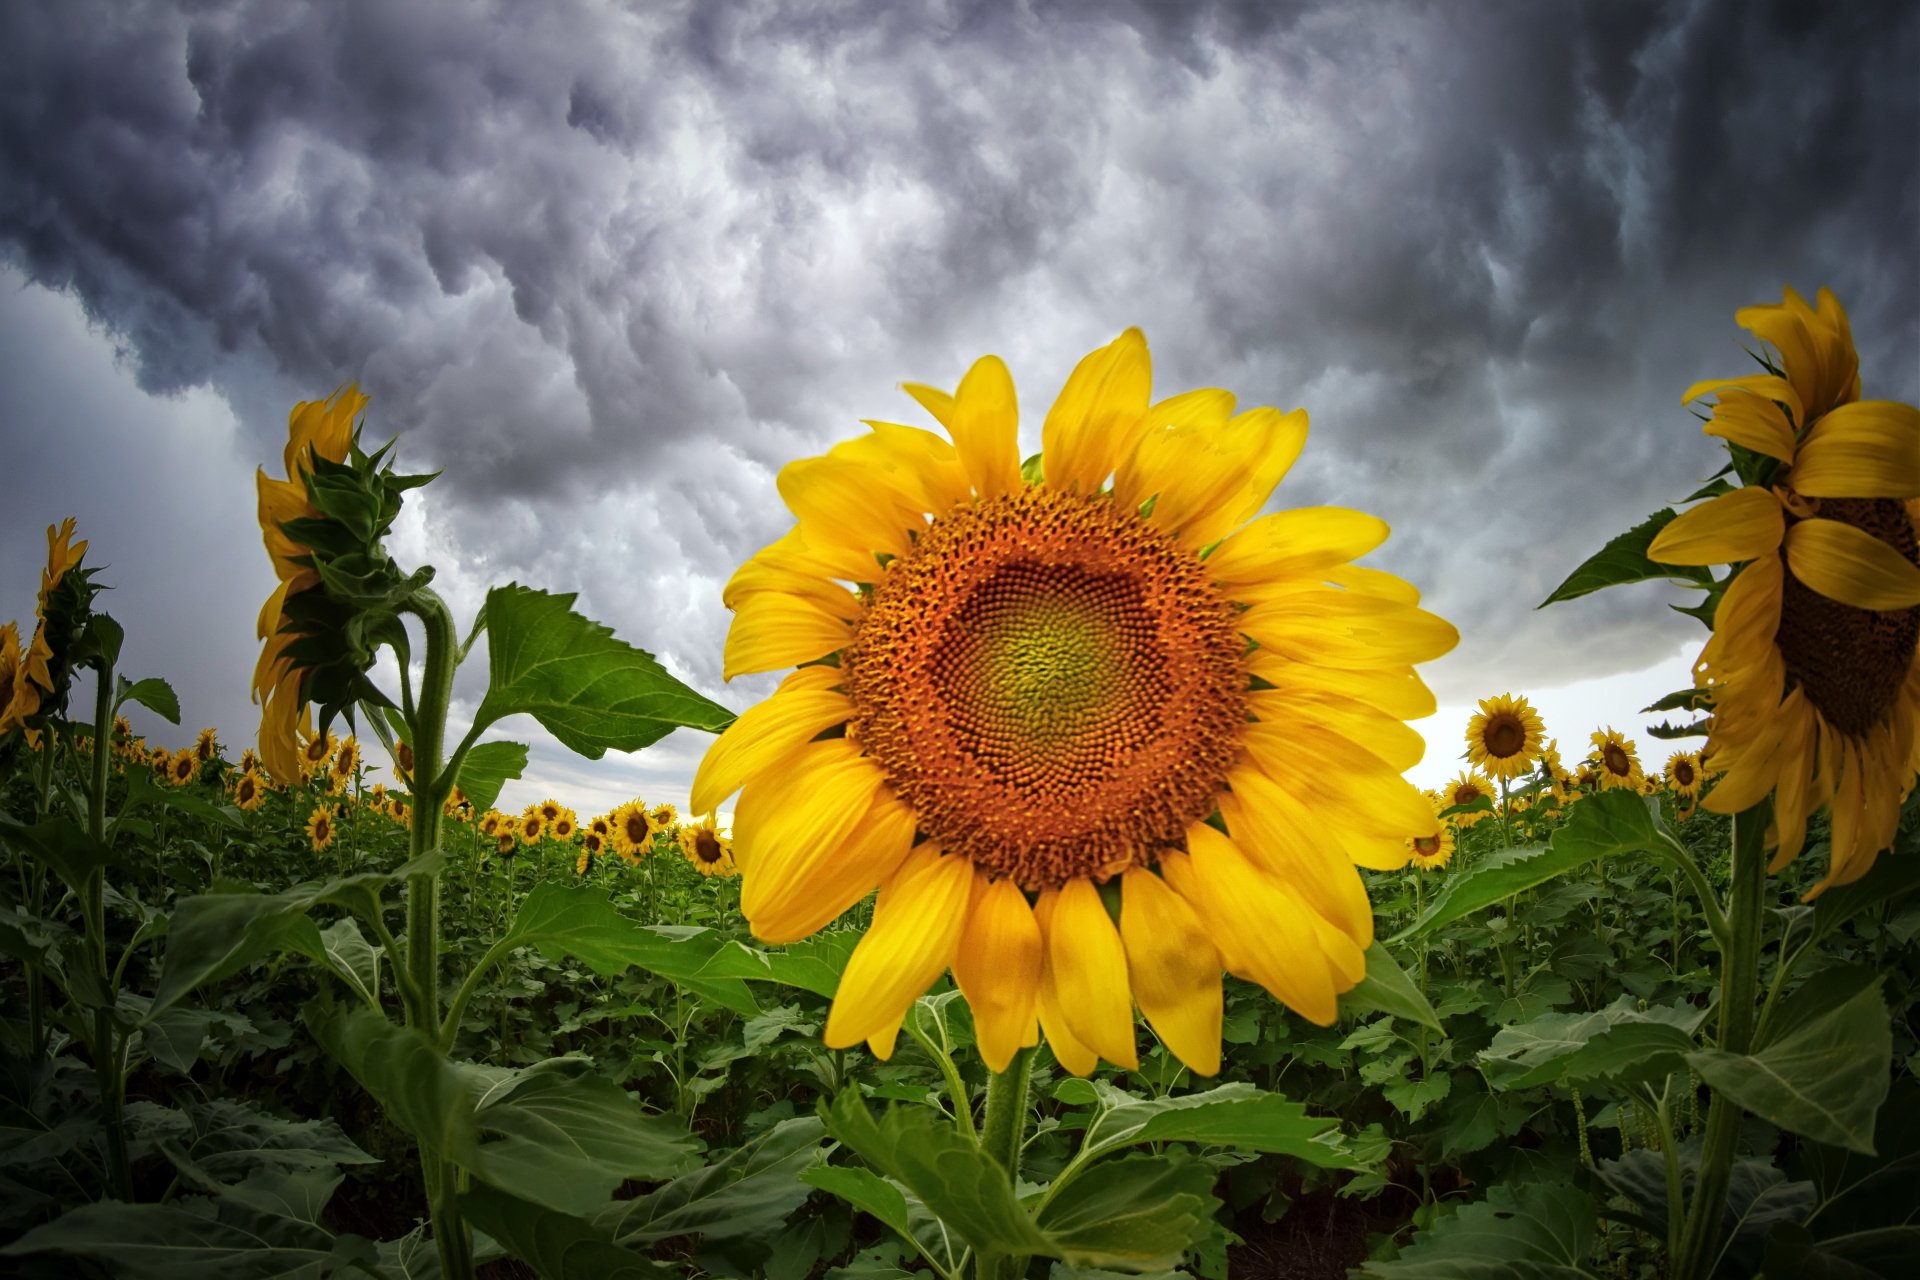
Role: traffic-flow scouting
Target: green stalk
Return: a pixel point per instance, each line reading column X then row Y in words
column 1739, row 983
column 428, row 724
column 1003, row 1135
column 109, row 1056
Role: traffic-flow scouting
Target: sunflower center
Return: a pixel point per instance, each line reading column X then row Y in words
column 1504, row 736
column 1614, row 756
column 1465, row 795
column 1851, row 662
column 1053, row 685
column 637, row 830
column 1426, row 846
column 1683, row 773
column 706, row 846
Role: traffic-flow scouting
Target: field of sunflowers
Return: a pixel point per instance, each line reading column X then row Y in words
column 1065, row 912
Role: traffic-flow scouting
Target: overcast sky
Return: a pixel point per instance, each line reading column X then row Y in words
column 609, row 268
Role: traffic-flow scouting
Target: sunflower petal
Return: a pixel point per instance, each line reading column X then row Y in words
column 1743, row 525
column 1852, row 566
column 765, row 732
column 1077, row 1058
column 985, row 426
column 782, row 820
column 1142, row 473
column 1098, row 415
column 997, row 968
column 1172, row 968
column 829, row 878
column 1867, row 449
column 1089, row 966
column 1306, row 540
column 772, row 629
column 915, row 932
column 935, row 401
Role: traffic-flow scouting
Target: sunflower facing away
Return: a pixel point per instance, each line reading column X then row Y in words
column 1616, row 761
column 1504, row 737
column 1814, row 663
column 1042, row 693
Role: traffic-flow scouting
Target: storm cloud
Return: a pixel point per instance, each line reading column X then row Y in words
column 609, row 268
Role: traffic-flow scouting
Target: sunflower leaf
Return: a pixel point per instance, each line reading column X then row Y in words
column 1625, row 560
column 1539, row 1231
column 153, row 693
column 1388, row 989
column 590, row 690
column 487, row 768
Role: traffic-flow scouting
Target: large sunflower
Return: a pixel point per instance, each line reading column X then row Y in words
column 1814, row 663
column 327, row 429
column 1043, row 694
column 1504, row 737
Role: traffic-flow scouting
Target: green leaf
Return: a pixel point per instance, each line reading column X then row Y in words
column 346, row 951
column 1611, row 824
column 899, row 1209
column 557, row 1245
column 1229, row 1115
column 1388, row 989
column 748, row 1192
column 1540, row 1231
column 1822, row 1079
column 1620, row 1043
column 145, row 791
column 1883, row 1253
column 919, row 1148
column 1625, row 560
column 153, row 693
column 63, row 845
column 230, row 1138
column 174, row 1038
column 1893, row 877
column 487, row 767
column 590, row 690
column 1759, row 1198
column 1140, row 1212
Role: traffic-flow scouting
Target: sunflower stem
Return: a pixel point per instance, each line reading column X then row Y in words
column 1003, row 1135
column 109, row 1042
column 1739, row 983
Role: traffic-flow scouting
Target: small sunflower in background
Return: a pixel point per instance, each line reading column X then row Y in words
column 602, row 826
column 1616, row 762
column 345, row 762
column 665, row 817
column 550, row 810
column 1057, row 681
column 249, row 761
column 1430, row 853
column 505, row 843
column 207, row 746
column 320, row 828
column 633, row 831
column 563, row 826
column 710, row 852
column 398, row 809
column 1468, row 787
column 533, row 824
column 316, row 751
column 1504, row 737
column 593, row 843
column 583, row 863
column 184, row 768
column 19, row 696
column 403, row 761
column 1686, row 775
column 248, row 794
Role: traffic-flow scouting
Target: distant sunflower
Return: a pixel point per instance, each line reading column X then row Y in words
column 583, row 863
column 533, row 824
column 550, row 810
column 594, row 843
column 633, row 831
column 602, row 826
column 505, row 844
column 185, row 767
column 563, row 827
column 1616, row 762
column 710, row 852
column 1685, row 774
column 1587, row 776
column 207, row 745
column 1814, row 662
column 665, row 817
column 247, row 792
column 1430, row 853
column 63, row 555
column 19, row 697
column 249, row 761
column 318, row 750
column 1051, row 687
column 320, row 829
column 1504, row 737
column 1468, row 787
column 346, row 760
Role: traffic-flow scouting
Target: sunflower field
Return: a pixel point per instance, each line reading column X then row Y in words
column 1064, row 912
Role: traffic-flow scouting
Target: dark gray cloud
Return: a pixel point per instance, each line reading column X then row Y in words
column 611, row 267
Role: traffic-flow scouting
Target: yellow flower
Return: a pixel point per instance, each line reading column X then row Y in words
column 532, row 825
column 710, row 852
column 563, row 827
column 248, row 794
column 1469, row 786
column 1814, row 663
column 664, row 816
column 249, row 761
column 320, row 827
column 593, row 845
column 1046, row 688
column 549, row 810
column 318, row 750
column 184, row 768
column 1429, row 853
column 207, row 745
column 602, row 826
column 1685, row 774
column 1616, row 762
column 505, row 844
column 633, row 831
column 326, row 428
column 346, row 759
column 1504, row 737
column 19, row 697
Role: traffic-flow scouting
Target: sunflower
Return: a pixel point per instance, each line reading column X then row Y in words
column 505, row 844
column 1468, row 787
column 550, row 810
column 1042, row 696
column 1814, row 663
column 583, row 863
column 325, row 429
column 633, row 831
column 320, row 828
column 317, row 751
column 19, row 697
column 1504, row 737
column 346, row 759
column 564, row 826
column 1685, row 774
column 403, row 761
column 248, row 795
column 602, row 826
column 63, row 555
column 249, row 761
column 184, row 767
column 207, row 745
column 665, row 817
column 533, row 824
column 710, row 852
column 1616, row 762
column 1430, row 853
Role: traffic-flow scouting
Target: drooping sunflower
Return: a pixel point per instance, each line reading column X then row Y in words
column 325, row 428
column 1685, row 774
column 1504, row 736
column 633, row 831
column 248, row 794
column 320, row 829
column 1466, row 788
column 19, row 696
column 1814, row 663
column 1041, row 686
column 1616, row 761
column 710, row 852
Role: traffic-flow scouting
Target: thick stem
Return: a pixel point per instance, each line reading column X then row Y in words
column 1739, row 984
column 1003, row 1134
column 109, row 1053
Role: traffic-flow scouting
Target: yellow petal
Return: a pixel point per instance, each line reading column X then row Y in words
column 997, row 968
column 1790, row 807
column 1307, row 540
column 772, row 630
column 880, row 1043
column 1816, row 349
column 926, row 465
column 1748, row 415
column 1280, row 837
column 1075, row 1057
column 1347, row 629
column 1089, row 967
column 783, row 820
column 1156, row 454
column 935, row 401
column 1277, row 439
column 1396, row 691
column 766, row 732
column 829, row 878
column 1098, row 416
column 916, row 930
column 1852, row 566
column 1331, row 775
column 844, row 503
column 1173, row 969
column 985, row 426
column 1743, row 525
column 1868, row 449
column 1753, row 774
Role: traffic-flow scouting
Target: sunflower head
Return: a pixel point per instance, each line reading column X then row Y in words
column 19, row 696
column 505, row 843
column 1094, row 682
column 633, row 831
column 563, row 827
column 320, row 828
column 602, row 826
column 533, row 825
column 1431, row 852
column 247, row 792
column 1504, row 737
column 184, row 768
column 1469, row 787
column 68, row 634
column 710, row 852
column 664, row 817
column 1685, row 774
column 1615, row 760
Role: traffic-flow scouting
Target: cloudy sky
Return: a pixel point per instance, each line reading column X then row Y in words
column 608, row 267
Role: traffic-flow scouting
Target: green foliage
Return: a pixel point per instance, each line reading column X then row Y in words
column 1623, row 560
column 1540, row 1232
